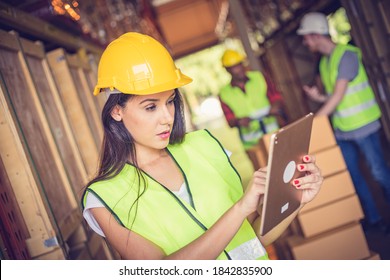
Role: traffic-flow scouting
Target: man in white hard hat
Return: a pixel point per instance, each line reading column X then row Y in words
column 354, row 112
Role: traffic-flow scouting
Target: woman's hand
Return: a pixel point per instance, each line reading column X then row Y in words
column 254, row 192
column 311, row 183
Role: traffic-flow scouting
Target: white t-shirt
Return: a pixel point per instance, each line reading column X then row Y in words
column 93, row 202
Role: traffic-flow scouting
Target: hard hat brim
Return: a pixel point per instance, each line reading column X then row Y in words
column 123, row 88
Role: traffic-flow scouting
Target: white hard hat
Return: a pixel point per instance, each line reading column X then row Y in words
column 316, row 23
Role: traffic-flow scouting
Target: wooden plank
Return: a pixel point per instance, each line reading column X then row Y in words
column 384, row 6
column 94, row 244
column 279, row 65
column 13, row 230
column 4, row 252
column 74, row 110
column 104, row 253
column 25, row 186
column 56, row 116
column 80, row 252
column 78, row 236
column 39, row 143
column 56, row 254
column 70, row 224
column 78, row 69
column 93, row 61
column 33, row 25
column 22, row 96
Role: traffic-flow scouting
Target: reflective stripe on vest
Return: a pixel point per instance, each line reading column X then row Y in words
column 254, row 104
column 170, row 222
column 249, row 250
column 356, row 88
column 358, row 106
column 251, row 136
column 261, row 113
column 356, row 109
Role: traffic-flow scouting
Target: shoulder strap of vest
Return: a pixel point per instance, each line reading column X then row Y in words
column 254, row 74
column 208, row 145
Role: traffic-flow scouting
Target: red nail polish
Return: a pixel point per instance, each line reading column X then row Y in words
column 296, row 182
column 298, row 186
column 300, row 167
column 307, row 158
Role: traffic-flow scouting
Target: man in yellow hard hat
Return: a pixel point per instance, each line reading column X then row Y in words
column 354, row 112
column 250, row 101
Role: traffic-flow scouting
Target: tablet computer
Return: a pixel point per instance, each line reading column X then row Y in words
column 287, row 147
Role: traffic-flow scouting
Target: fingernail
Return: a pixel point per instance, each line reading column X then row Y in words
column 307, row 158
column 298, row 186
column 301, row 167
column 296, row 182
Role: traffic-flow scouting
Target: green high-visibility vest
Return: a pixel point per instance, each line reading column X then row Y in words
column 253, row 103
column 170, row 222
column 358, row 106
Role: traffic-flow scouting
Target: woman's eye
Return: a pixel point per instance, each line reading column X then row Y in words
column 150, row 108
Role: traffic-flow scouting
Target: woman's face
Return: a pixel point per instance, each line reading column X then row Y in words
column 149, row 119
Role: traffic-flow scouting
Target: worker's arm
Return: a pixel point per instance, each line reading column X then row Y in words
column 329, row 102
column 333, row 101
column 231, row 118
column 348, row 70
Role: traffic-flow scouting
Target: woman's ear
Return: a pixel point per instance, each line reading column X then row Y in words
column 116, row 113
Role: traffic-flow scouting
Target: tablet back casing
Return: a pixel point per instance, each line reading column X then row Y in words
column 287, row 148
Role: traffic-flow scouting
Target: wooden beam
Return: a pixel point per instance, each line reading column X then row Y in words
column 41, row 30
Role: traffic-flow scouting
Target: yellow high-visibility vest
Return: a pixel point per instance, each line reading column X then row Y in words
column 253, row 103
column 358, row 107
column 170, row 222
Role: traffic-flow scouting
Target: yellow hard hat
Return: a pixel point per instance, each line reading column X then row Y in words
column 138, row 64
column 231, row 57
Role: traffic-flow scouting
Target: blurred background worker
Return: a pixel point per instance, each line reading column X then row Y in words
column 355, row 114
column 250, row 101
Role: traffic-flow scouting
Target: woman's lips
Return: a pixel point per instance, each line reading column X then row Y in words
column 164, row 135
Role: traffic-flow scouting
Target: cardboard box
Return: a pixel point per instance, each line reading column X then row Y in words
column 322, row 136
column 345, row 243
column 333, row 188
column 330, row 161
column 330, row 216
column 258, row 155
column 265, row 141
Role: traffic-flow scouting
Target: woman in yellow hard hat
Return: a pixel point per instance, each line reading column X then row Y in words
column 162, row 193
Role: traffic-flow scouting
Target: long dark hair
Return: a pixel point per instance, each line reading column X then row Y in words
column 118, row 144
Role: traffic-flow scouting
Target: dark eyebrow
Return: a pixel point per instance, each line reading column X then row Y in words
column 149, row 100
column 155, row 99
